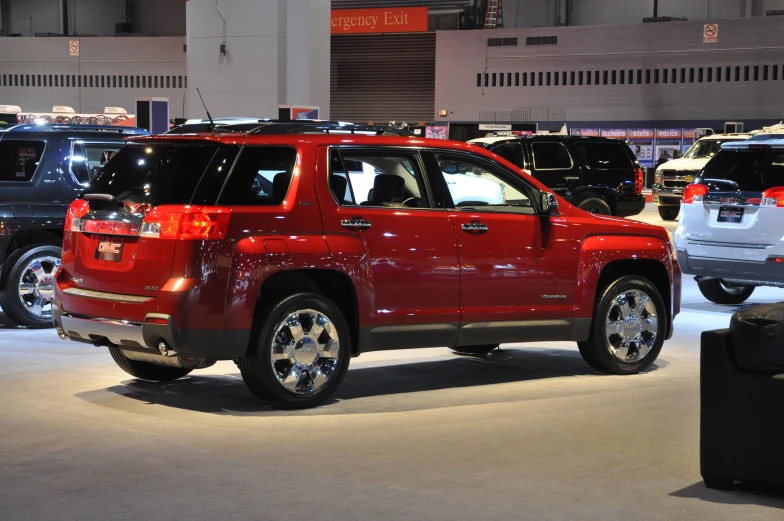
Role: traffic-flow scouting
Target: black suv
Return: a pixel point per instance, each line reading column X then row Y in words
column 272, row 126
column 43, row 168
column 598, row 175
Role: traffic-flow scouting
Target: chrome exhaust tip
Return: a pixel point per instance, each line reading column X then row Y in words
column 61, row 333
column 165, row 350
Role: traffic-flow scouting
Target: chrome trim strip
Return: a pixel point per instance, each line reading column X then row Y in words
column 730, row 244
column 118, row 332
column 100, row 295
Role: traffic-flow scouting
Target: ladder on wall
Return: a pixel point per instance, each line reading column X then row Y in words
column 494, row 18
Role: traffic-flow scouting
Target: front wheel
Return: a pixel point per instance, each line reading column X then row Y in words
column 595, row 205
column 629, row 326
column 669, row 213
column 300, row 353
column 719, row 292
column 28, row 273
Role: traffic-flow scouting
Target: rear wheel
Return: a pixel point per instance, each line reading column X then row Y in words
column 669, row 213
column 629, row 326
column 719, row 292
column 595, row 205
column 301, row 352
column 28, row 276
column 474, row 350
column 147, row 371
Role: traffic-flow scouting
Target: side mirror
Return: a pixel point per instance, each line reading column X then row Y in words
column 549, row 204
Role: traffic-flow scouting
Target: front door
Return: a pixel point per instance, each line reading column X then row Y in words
column 517, row 268
column 381, row 224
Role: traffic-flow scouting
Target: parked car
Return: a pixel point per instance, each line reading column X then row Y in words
column 271, row 126
column 598, row 175
column 42, row 169
column 174, row 259
column 730, row 234
column 674, row 176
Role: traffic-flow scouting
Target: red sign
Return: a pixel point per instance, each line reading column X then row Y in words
column 688, row 133
column 357, row 21
column 614, row 133
column 668, row 133
column 641, row 133
column 585, row 132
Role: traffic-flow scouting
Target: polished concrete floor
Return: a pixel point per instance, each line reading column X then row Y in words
column 529, row 433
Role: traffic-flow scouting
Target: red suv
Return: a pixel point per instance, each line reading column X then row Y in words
column 291, row 254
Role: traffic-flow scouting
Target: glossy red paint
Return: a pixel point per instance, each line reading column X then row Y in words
column 413, row 266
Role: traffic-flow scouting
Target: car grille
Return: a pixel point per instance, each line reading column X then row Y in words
column 678, row 178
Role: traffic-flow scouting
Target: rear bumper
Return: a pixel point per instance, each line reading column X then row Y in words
column 626, row 205
column 666, row 196
column 763, row 272
column 218, row 344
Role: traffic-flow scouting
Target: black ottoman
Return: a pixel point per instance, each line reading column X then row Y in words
column 742, row 400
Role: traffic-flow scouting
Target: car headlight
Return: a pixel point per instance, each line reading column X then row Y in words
column 671, row 244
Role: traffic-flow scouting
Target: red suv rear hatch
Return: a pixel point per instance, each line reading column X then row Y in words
column 122, row 237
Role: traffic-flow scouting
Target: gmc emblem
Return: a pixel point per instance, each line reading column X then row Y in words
column 109, row 247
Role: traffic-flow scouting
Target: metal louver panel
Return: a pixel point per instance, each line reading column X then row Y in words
column 383, row 78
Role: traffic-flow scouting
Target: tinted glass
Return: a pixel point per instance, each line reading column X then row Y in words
column 551, row 156
column 378, row 178
column 19, row 159
column 262, row 175
column 155, row 174
column 512, row 152
column 706, row 148
column 605, row 155
column 753, row 170
column 478, row 185
column 88, row 159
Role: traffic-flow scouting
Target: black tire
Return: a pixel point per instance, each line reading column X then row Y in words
column 715, row 291
column 596, row 351
column 474, row 350
column 717, row 482
column 13, row 271
column 257, row 367
column 595, row 205
column 147, row 371
column 669, row 213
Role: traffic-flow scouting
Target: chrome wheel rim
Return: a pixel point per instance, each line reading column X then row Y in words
column 36, row 287
column 631, row 326
column 305, row 351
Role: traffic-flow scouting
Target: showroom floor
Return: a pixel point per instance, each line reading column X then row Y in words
column 527, row 433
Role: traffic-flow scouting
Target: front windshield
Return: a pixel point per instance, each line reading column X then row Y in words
column 705, row 148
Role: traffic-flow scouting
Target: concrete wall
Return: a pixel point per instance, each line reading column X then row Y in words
column 548, row 13
column 461, row 55
column 25, row 59
column 96, row 17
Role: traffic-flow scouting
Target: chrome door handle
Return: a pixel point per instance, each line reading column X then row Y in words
column 475, row 228
column 355, row 223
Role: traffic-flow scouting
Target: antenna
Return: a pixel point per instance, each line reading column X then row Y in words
column 212, row 123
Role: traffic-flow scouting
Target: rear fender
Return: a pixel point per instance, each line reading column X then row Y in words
column 599, row 251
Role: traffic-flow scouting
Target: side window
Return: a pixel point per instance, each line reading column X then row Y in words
column 512, row 152
column 605, row 155
column 88, row 159
column 477, row 185
column 551, row 156
column 19, row 159
column 261, row 176
column 386, row 178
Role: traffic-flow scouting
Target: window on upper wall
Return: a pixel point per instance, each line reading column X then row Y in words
column 639, row 76
column 596, row 78
column 541, row 40
column 775, row 74
column 699, row 75
column 571, row 78
column 728, row 73
column 508, row 79
column 501, row 80
column 494, row 79
column 621, row 76
column 502, row 42
column 756, row 73
column 517, row 79
column 656, row 76
column 647, row 75
column 555, row 78
column 525, row 79
column 579, row 77
column 541, row 79
column 691, row 75
column 764, row 73
column 487, row 79
column 478, row 79
column 710, row 74
column 604, row 77
column 613, row 77
column 737, row 73
column 548, row 79
column 588, row 77
column 665, row 75
column 563, row 78
column 746, row 74
column 718, row 73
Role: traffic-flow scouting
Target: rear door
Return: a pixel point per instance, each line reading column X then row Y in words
column 553, row 165
column 108, row 253
column 607, row 163
column 730, row 213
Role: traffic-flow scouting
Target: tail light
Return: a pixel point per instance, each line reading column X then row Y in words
column 694, row 193
column 658, row 177
column 73, row 218
column 638, row 181
column 186, row 222
column 773, row 197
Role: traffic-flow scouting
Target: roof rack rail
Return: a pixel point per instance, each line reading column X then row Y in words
column 55, row 127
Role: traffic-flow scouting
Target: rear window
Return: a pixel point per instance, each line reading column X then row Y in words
column 154, row 174
column 754, row 170
column 262, row 175
column 19, row 159
column 605, row 155
column 512, row 152
column 551, row 156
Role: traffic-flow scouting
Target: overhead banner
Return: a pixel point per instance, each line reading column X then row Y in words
column 359, row 21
